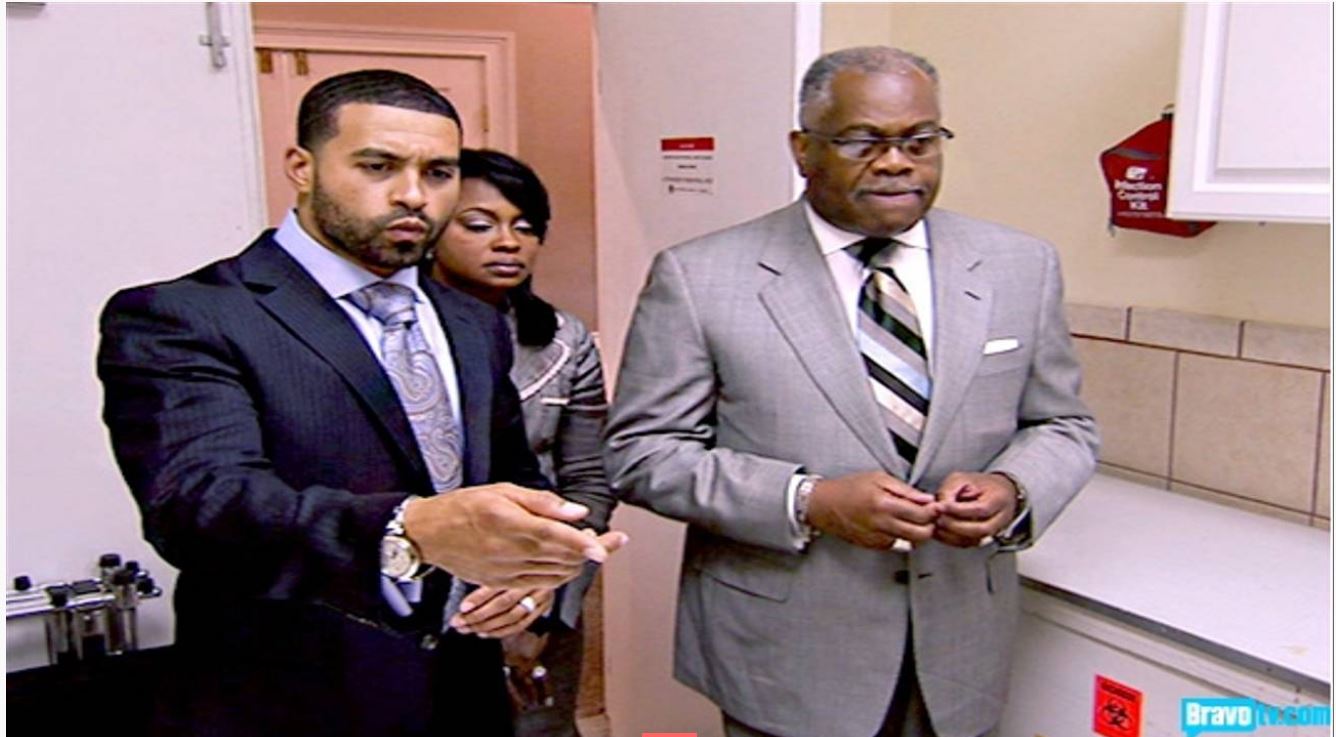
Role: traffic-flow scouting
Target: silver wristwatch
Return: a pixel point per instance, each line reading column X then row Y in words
column 400, row 558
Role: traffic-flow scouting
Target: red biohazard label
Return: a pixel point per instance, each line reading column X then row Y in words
column 1117, row 709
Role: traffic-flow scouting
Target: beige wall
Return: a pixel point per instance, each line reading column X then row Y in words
column 1035, row 93
column 676, row 69
column 1175, row 394
column 555, row 102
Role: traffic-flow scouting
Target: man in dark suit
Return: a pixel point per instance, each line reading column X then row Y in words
column 327, row 446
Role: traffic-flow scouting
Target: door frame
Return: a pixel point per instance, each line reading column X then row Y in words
column 496, row 49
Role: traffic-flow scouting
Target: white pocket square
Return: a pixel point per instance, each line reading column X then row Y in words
column 1000, row 345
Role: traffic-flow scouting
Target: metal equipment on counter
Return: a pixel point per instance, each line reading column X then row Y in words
column 88, row 618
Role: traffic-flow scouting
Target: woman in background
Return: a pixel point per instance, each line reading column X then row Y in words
column 488, row 250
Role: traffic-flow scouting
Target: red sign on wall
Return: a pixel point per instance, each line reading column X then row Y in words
column 692, row 143
column 1117, row 709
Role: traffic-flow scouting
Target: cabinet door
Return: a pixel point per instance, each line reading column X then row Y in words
column 1252, row 136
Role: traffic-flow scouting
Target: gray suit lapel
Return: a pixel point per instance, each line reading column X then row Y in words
column 536, row 366
column 962, row 300
column 803, row 302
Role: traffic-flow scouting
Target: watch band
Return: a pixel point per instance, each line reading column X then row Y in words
column 400, row 558
column 396, row 524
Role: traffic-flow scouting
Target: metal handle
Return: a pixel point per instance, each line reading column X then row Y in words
column 214, row 39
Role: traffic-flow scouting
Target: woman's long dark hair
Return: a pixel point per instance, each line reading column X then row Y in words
column 535, row 319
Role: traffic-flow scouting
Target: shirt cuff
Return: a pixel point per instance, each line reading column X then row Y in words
column 800, row 534
column 400, row 595
column 790, row 503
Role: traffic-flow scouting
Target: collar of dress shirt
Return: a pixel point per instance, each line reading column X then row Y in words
column 337, row 275
column 832, row 239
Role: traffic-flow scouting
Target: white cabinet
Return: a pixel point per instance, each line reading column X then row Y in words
column 1173, row 598
column 1252, row 135
column 1062, row 648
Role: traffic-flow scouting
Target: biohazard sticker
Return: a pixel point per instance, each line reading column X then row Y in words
column 1117, row 709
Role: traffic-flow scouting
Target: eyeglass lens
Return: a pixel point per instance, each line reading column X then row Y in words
column 920, row 146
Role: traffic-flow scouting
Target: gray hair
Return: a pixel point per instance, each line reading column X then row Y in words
column 815, row 92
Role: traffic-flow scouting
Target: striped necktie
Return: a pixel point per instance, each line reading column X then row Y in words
column 892, row 346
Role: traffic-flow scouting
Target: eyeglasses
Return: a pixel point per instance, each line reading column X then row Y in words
column 924, row 145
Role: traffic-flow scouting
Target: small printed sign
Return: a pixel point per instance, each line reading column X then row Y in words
column 1117, row 709
column 688, row 165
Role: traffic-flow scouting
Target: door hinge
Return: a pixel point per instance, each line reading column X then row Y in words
column 264, row 60
column 303, row 63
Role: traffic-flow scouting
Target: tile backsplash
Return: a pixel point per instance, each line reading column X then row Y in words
column 1230, row 410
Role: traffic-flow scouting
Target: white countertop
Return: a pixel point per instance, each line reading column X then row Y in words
column 1241, row 581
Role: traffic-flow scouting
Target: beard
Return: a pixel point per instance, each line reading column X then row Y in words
column 367, row 240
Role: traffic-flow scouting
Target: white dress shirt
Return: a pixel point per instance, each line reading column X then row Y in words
column 909, row 259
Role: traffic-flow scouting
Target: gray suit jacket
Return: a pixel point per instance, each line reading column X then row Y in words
column 740, row 370
column 565, row 406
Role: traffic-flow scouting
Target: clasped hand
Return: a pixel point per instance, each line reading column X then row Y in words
column 874, row 509
column 506, row 537
column 492, row 612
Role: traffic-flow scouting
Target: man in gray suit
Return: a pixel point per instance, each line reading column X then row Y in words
column 862, row 408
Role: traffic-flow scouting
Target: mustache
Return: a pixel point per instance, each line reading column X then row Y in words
column 403, row 213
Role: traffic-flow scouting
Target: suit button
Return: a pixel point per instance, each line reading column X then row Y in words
column 901, row 577
column 429, row 642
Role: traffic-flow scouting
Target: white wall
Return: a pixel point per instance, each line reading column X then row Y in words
column 726, row 71
column 128, row 159
column 1034, row 92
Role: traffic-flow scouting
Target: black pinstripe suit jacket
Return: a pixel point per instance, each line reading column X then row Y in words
column 266, row 449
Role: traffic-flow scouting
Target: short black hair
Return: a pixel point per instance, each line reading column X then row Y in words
column 317, row 118
column 514, row 180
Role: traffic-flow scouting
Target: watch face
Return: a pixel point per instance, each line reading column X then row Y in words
column 398, row 559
